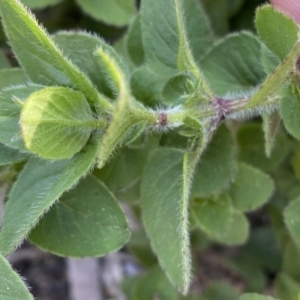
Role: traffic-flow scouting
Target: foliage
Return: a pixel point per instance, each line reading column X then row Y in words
column 159, row 122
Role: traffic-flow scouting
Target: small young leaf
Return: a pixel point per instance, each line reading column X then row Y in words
column 165, row 36
column 164, row 206
column 42, row 61
column 213, row 215
column 38, row 186
column 290, row 111
column 255, row 297
column 57, row 122
column 134, row 42
column 87, row 219
column 154, row 284
column 39, row 3
column 251, row 189
column 250, row 138
column 277, row 30
column 233, row 65
column 79, row 47
column 114, row 12
column 11, row 285
column 217, row 166
column 10, row 155
column 271, row 123
column 292, row 219
column 238, row 231
column 10, row 132
column 12, row 77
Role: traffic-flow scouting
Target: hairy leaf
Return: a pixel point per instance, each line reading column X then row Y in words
column 39, row 3
column 213, row 215
column 277, row 30
column 79, row 47
column 12, row 77
column 11, row 285
column 292, row 219
column 164, row 206
column 57, row 122
column 217, row 166
column 233, row 65
column 42, row 61
column 271, row 123
column 251, row 189
column 238, row 231
column 250, row 138
column 134, row 42
column 10, row 131
column 165, row 35
column 38, row 186
column 10, row 155
column 114, row 12
column 87, row 219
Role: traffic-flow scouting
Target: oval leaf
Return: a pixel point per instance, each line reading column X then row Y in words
column 57, row 122
column 86, row 221
column 217, row 166
column 251, row 189
column 11, row 285
column 164, row 206
column 38, row 186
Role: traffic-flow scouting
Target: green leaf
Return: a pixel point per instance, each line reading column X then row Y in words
column 296, row 166
column 10, row 131
column 287, row 288
column 10, row 155
column 238, row 231
column 233, row 6
column 218, row 290
column 39, row 3
column 38, row 186
column 271, row 123
column 113, row 12
column 57, row 122
column 12, row 77
column 269, row 60
column 292, row 219
column 42, row 61
column 128, row 112
column 290, row 111
column 250, row 138
column 277, row 30
column 134, row 42
column 217, row 11
column 251, row 189
column 11, row 285
column 154, row 284
column 291, row 260
column 164, row 206
column 87, row 219
column 147, row 86
column 165, row 36
column 4, row 62
column 79, row 47
column 213, row 215
column 255, row 297
column 217, row 166
column 233, row 65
